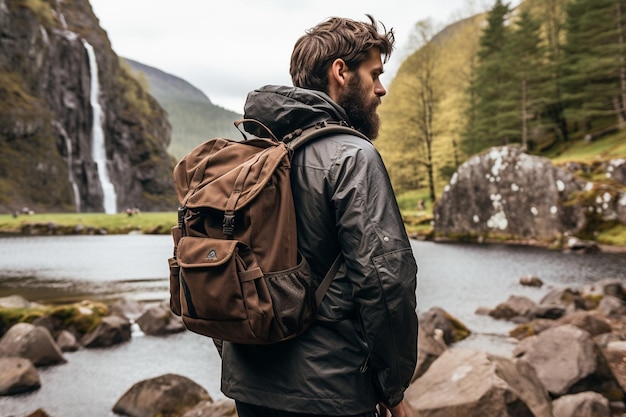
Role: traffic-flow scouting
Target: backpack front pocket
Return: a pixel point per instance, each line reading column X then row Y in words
column 224, row 294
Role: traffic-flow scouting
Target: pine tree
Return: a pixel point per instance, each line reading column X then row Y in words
column 552, row 15
column 594, row 72
column 528, row 75
column 491, row 118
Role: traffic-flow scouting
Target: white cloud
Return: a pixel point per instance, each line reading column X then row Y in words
column 227, row 48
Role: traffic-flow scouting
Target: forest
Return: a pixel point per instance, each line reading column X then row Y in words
column 546, row 75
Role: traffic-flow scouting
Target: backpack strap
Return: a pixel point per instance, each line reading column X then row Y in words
column 300, row 137
column 323, row 287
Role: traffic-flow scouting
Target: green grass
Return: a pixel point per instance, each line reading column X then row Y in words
column 609, row 147
column 614, row 236
column 65, row 223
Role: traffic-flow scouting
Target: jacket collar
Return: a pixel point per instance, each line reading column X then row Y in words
column 284, row 109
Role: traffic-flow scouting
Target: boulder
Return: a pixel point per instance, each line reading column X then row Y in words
column 568, row 361
column 515, row 306
column 125, row 307
column 67, row 342
column 159, row 320
column 16, row 301
column 584, row 404
column 39, row 413
column 588, row 321
column 565, row 297
column 438, row 318
column 165, row 395
column 576, row 245
column 531, row 328
column 547, row 311
column 429, row 347
column 508, row 194
column 223, row 408
column 111, row 331
column 50, row 322
column 17, row 375
column 477, row 384
column 31, row 342
column 611, row 306
column 615, row 354
column 608, row 286
column 616, row 169
column 531, row 281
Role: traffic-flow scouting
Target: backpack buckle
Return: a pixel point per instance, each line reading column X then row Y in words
column 228, row 224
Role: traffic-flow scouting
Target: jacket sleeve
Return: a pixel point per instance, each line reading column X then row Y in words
column 380, row 264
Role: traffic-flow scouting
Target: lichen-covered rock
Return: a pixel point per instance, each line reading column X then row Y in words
column 508, row 194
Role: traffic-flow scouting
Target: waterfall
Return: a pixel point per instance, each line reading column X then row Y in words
column 70, row 168
column 98, row 150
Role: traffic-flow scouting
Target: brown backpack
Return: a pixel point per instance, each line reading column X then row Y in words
column 236, row 273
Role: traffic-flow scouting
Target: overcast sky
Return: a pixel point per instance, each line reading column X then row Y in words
column 229, row 47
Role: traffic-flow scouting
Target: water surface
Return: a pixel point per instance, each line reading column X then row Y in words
column 456, row 277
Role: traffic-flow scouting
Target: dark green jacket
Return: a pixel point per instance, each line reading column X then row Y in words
column 363, row 347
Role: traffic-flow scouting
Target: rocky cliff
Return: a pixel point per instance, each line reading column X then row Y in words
column 506, row 194
column 48, row 161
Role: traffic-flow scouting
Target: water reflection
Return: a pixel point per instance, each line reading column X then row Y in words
column 69, row 268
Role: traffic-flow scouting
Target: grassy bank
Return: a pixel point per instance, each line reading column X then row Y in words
column 418, row 222
column 88, row 223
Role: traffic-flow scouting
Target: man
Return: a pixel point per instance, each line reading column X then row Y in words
column 360, row 353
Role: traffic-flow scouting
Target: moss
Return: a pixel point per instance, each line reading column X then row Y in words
column 523, row 331
column 11, row 316
column 74, row 315
column 592, row 301
column 612, row 235
column 459, row 329
column 134, row 93
column 588, row 199
column 42, row 10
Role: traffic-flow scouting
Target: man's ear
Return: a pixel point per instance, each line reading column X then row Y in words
column 337, row 77
column 338, row 71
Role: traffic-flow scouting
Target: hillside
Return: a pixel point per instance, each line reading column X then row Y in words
column 399, row 141
column 462, row 92
column 194, row 118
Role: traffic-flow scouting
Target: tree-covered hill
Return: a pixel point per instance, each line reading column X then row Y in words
column 548, row 75
column 193, row 116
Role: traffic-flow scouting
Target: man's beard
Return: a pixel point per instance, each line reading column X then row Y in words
column 361, row 112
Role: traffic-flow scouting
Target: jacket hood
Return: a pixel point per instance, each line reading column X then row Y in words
column 284, row 109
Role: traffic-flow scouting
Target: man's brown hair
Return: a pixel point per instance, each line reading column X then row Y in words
column 336, row 38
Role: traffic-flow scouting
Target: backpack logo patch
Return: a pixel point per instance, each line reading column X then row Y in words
column 212, row 255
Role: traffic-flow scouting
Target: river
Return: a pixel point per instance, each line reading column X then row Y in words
column 456, row 277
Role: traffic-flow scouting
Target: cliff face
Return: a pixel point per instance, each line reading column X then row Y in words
column 46, row 116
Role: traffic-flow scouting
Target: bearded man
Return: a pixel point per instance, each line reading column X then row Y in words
column 358, row 358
